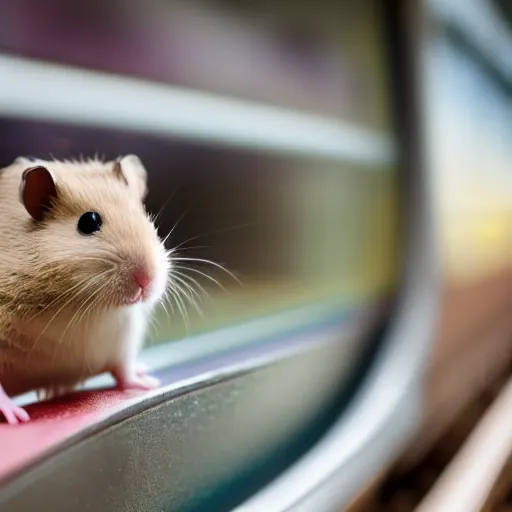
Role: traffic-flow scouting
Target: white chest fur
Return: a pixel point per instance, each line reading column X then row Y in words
column 114, row 337
column 64, row 353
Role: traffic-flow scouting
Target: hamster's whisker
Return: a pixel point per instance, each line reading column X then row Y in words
column 209, row 262
column 156, row 218
column 97, row 259
column 192, row 291
column 184, row 214
column 178, row 276
column 93, row 301
column 59, row 298
column 181, row 306
column 154, row 323
column 190, row 279
column 167, row 298
column 167, row 236
column 59, row 341
column 215, row 232
column 66, row 303
column 179, row 297
column 204, row 274
column 89, row 301
column 84, row 285
column 184, row 249
column 191, row 284
column 83, row 307
column 111, row 256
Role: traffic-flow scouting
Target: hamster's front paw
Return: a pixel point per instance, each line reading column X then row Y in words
column 12, row 413
column 138, row 379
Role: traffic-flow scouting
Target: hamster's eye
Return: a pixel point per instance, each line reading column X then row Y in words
column 89, row 223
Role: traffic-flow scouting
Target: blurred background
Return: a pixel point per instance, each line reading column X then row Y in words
column 265, row 130
column 268, row 132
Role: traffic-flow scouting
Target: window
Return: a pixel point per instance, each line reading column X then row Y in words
column 265, row 132
column 268, row 137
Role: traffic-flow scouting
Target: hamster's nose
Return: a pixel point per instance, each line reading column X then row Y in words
column 141, row 278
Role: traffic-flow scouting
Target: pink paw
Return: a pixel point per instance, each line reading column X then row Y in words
column 11, row 412
column 141, row 369
column 138, row 380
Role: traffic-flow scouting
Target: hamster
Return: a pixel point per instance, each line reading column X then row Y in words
column 81, row 270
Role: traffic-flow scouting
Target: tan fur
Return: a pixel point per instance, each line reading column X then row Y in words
column 50, row 336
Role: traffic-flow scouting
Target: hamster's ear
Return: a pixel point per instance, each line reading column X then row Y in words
column 37, row 191
column 129, row 168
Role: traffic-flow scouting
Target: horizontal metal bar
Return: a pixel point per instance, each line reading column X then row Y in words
column 37, row 90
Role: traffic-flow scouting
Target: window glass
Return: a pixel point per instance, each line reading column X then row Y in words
column 470, row 131
column 300, row 216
